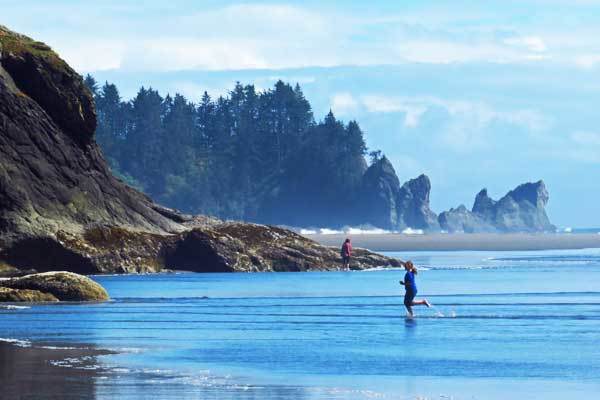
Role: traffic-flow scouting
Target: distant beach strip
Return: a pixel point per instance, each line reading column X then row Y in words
column 457, row 241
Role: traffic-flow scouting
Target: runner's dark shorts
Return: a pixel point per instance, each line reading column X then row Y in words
column 409, row 297
column 346, row 259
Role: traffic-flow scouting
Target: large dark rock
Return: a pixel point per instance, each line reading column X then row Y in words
column 60, row 207
column 379, row 193
column 52, row 175
column 41, row 75
column 520, row 210
column 385, row 204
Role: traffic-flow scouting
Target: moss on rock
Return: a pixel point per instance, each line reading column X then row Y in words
column 65, row 286
column 9, row 295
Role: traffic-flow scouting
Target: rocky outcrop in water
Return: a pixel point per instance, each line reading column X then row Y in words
column 520, row 210
column 386, row 204
column 377, row 203
column 460, row 219
column 52, row 286
column 413, row 205
column 61, row 208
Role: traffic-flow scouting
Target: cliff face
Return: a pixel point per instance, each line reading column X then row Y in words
column 61, row 208
column 377, row 202
column 520, row 210
column 462, row 220
column 413, row 205
column 386, row 204
column 52, row 175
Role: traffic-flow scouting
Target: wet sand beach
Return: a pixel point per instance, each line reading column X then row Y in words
column 35, row 372
column 455, row 242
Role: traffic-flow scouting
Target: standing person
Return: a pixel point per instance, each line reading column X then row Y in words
column 346, row 253
column 411, row 289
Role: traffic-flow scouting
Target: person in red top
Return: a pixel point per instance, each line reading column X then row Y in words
column 346, row 253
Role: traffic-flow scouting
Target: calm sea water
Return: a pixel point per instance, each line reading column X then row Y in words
column 505, row 325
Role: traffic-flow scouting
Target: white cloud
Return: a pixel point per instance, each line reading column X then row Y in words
column 413, row 108
column 586, row 138
column 530, row 43
column 185, row 53
column 585, row 147
column 384, row 104
column 587, row 61
column 343, row 103
column 162, row 36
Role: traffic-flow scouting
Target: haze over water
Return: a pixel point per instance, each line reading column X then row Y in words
column 505, row 325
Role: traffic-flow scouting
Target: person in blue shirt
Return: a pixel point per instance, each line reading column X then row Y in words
column 411, row 289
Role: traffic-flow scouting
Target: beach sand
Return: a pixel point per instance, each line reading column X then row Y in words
column 455, row 242
column 36, row 372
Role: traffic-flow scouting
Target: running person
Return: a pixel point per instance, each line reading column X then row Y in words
column 411, row 289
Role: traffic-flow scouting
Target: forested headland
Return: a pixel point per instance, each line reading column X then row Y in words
column 261, row 156
column 252, row 155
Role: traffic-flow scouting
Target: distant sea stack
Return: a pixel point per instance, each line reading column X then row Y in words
column 62, row 209
column 383, row 203
column 520, row 210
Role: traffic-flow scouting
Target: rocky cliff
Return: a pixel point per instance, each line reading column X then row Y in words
column 520, row 210
column 385, row 204
column 61, row 208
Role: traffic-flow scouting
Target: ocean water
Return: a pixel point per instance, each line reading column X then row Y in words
column 518, row 325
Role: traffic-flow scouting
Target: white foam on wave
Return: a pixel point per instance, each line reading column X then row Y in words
column 13, row 307
column 370, row 231
column 346, row 230
column 327, row 231
column 16, row 342
column 411, row 231
column 374, row 269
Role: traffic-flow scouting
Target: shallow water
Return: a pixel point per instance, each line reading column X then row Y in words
column 504, row 325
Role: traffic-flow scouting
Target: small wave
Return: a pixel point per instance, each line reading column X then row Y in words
column 371, row 231
column 16, row 342
column 327, row 231
column 48, row 347
column 375, row 269
column 411, row 231
column 13, row 307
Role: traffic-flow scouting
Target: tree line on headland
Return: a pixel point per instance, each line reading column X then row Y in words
column 252, row 155
column 261, row 156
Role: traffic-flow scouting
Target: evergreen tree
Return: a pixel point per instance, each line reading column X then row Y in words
column 251, row 155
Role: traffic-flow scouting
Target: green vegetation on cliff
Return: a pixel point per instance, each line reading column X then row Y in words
column 253, row 155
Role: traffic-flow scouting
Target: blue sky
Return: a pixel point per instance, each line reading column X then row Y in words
column 473, row 93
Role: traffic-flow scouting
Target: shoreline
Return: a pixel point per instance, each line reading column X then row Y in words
column 63, row 372
column 463, row 241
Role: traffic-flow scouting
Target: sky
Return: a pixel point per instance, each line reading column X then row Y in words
column 472, row 93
